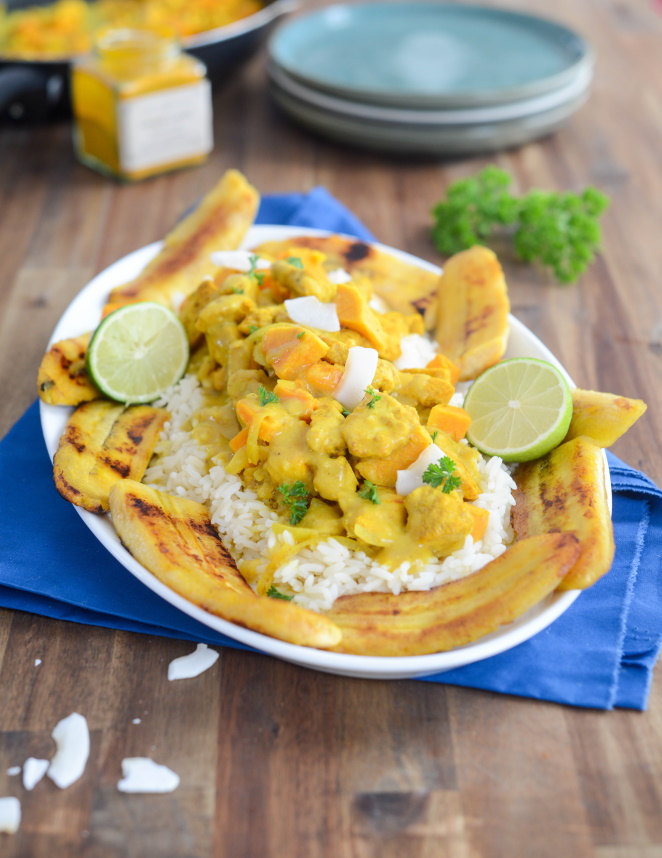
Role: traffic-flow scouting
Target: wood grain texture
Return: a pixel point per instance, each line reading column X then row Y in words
column 281, row 762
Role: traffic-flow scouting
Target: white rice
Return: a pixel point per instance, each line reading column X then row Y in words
column 319, row 575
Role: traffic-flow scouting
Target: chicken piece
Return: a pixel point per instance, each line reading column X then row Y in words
column 423, row 389
column 63, row 377
column 225, row 308
column 192, row 306
column 219, row 222
column 325, row 433
column 386, row 377
column 244, row 382
column 260, row 317
column 176, row 541
column 298, row 282
column 334, row 478
column 378, row 427
column 219, row 339
column 103, row 442
column 466, row 463
column 472, row 311
column 437, row 520
column 380, row 524
column 340, row 343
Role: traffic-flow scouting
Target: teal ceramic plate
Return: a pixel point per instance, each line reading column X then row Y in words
column 455, row 116
column 425, row 140
column 428, row 55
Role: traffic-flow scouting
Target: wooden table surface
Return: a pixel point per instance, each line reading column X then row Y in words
column 282, row 762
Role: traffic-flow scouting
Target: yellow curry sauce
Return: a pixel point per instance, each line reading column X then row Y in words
column 271, row 417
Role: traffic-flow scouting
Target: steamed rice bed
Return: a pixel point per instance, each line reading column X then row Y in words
column 318, row 575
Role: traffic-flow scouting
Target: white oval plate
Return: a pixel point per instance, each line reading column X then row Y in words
column 84, row 313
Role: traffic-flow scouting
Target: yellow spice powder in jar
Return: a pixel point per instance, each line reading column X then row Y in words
column 141, row 106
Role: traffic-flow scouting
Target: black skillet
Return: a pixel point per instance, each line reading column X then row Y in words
column 34, row 91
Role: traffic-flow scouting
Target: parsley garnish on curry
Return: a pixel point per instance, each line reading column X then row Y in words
column 308, row 478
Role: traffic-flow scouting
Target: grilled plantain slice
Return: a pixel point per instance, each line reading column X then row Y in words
column 472, row 311
column 175, row 539
column 403, row 286
column 458, row 613
column 604, row 417
column 566, row 491
column 103, row 442
column 63, row 378
column 218, row 223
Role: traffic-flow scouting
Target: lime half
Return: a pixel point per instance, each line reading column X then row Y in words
column 520, row 409
column 138, row 352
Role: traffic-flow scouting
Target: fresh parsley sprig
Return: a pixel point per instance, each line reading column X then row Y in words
column 560, row 230
column 375, row 397
column 266, row 396
column 274, row 593
column 295, row 261
column 252, row 271
column 295, row 498
column 440, row 475
column 369, row 492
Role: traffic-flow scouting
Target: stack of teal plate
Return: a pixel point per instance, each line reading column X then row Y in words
column 428, row 77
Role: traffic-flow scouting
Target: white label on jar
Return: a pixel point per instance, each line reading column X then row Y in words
column 165, row 127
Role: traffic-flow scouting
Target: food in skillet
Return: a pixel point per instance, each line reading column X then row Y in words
column 65, row 28
column 320, row 434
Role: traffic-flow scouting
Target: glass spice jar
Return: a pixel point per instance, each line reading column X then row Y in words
column 141, row 106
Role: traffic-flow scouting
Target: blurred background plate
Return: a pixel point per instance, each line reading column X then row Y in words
column 425, row 140
column 428, row 55
column 577, row 86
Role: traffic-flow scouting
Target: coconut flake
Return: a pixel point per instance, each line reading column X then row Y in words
column 378, row 304
column 140, row 774
column 359, row 372
column 194, row 664
column 33, row 772
column 338, row 276
column 10, row 815
column 239, row 260
column 417, row 352
column 14, row 770
column 412, row 477
column 310, row 311
column 73, row 748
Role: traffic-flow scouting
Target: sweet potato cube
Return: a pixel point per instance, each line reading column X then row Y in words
column 384, row 471
column 481, row 517
column 321, row 378
column 289, row 348
column 442, row 362
column 355, row 313
column 296, row 400
column 239, row 439
column 453, row 420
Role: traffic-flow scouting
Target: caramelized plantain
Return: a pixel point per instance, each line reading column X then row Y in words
column 566, row 491
column 458, row 613
column 403, row 286
column 103, row 442
column 472, row 311
column 604, row 417
column 62, row 377
column 219, row 222
column 175, row 539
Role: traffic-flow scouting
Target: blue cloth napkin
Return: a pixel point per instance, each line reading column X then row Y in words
column 599, row 654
